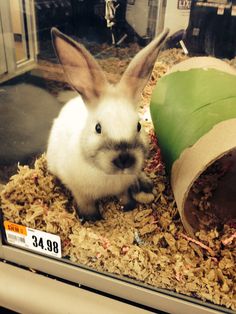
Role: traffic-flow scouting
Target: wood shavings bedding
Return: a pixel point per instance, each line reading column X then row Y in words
column 147, row 244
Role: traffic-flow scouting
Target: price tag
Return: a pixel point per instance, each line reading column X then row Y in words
column 233, row 11
column 220, row 10
column 182, row 44
column 39, row 241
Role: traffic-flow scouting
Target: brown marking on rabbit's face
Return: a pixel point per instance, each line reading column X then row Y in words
column 114, row 140
column 113, row 157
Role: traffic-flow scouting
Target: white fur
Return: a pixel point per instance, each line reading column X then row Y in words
column 65, row 158
column 80, row 157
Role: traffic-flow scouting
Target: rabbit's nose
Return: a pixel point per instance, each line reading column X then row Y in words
column 124, row 160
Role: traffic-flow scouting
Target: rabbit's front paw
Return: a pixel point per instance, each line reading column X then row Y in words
column 141, row 190
column 143, row 184
column 96, row 216
column 89, row 212
column 130, row 205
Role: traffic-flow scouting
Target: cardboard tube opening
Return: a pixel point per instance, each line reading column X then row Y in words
column 211, row 199
column 203, row 179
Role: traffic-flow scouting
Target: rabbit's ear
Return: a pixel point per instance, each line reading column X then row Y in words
column 140, row 68
column 82, row 71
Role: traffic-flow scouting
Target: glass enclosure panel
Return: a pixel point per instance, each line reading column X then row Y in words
column 17, row 8
column 128, row 155
column 18, row 38
column 3, row 66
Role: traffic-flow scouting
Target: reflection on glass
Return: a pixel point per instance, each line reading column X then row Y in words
column 147, row 246
column 18, row 29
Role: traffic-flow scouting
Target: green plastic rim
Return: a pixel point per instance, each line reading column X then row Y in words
column 185, row 105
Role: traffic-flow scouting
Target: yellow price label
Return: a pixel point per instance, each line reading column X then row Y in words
column 10, row 226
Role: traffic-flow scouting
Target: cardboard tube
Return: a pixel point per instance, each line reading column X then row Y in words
column 194, row 161
column 193, row 109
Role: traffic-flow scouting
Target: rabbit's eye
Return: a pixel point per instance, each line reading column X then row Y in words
column 139, row 126
column 98, row 128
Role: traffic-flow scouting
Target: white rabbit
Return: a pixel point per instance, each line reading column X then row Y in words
column 97, row 146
